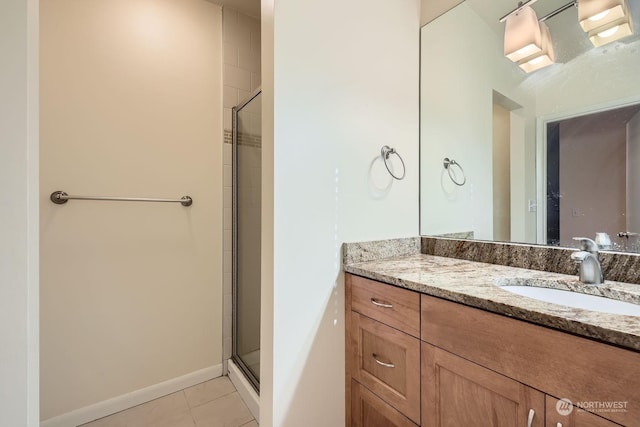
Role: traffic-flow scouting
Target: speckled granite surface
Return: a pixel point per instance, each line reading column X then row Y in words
column 477, row 284
column 370, row 251
column 621, row 267
column 459, row 235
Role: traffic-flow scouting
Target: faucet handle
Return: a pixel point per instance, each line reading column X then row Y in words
column 586, row 244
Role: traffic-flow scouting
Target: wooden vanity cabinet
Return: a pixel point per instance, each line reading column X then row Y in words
column 383, row 354
column 576, row 418
column 456, row 392
column 386, row 360
column 396, row 307
column 462, row 366
column 368, row 410
column 557, row 363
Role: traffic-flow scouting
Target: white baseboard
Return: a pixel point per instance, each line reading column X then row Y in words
column 129, row 400
column 245, row 390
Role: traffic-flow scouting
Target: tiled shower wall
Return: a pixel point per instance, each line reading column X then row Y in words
column 241, row 37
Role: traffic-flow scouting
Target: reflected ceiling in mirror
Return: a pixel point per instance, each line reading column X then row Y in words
column 482, row 111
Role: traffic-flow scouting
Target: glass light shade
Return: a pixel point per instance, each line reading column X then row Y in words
column 522, row 37
column 542, row 59
column 594, row 14
column 616, row 30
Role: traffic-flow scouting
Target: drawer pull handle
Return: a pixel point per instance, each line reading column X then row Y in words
column 381, row 304
column 381, row 363
column 532, row 414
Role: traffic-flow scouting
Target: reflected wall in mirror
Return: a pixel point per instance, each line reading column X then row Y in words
column 593, row 179
column 482, row 110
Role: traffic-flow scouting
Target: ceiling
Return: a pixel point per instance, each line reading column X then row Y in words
column 248, row 7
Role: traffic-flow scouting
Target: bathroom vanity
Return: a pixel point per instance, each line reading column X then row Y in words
column 437, row 341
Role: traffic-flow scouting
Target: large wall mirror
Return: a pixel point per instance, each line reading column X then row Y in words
column 536, row 157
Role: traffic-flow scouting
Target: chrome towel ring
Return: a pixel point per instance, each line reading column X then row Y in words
column 448, row 163
column 387, row 151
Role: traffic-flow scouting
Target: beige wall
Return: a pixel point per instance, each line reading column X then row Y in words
column 592, row 177
column 501, row 173
column 131, row 105
column 523, row 224
column 19, row 213
column 431, row 9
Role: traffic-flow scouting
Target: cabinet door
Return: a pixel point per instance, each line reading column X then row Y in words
column 561, row 414
column 368, row 410
column 456, row 392
column 387, row 362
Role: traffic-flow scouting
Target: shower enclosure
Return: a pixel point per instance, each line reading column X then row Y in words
column 247, row 193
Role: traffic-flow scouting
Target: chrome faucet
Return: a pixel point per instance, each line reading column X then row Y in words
column 587, row 257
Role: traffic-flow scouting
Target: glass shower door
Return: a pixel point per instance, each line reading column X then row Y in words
column 247, row 193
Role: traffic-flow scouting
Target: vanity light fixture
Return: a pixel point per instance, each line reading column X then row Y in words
column 527, row 40
column 594, row 14
column 542, row 59
column 522, row 35
column 605, row 21
column 615, row 30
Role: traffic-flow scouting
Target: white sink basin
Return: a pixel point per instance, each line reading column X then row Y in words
column 575, row 299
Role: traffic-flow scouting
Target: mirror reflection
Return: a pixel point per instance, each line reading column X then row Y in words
column 544, row 155
column 593, row 179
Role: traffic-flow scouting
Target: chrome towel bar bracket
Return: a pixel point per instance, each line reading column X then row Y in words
column 448, row 165
column 387, row 151
column 60, row 198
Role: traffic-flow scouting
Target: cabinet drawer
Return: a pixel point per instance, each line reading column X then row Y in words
column 368, row 410
column 387, row 362
column 396, row 307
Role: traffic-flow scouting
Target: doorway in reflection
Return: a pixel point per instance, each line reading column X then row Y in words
column 593, row 179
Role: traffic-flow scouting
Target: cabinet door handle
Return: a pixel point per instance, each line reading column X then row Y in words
column 532, row 414
column 381, row 363
column 559, row 425
column 381, row 304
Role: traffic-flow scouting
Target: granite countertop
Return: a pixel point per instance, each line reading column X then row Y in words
column 474, row 284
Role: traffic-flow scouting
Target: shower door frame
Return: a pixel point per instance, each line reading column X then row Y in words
column 249, row 375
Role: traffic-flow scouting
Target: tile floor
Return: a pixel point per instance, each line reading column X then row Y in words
column 214, row 403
